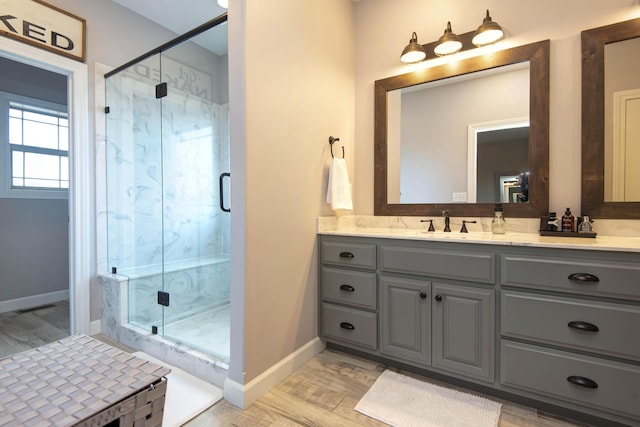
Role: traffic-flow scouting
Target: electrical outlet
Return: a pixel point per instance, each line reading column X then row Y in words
column 460, row 197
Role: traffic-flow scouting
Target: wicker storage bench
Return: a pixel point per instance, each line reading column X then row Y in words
column 79, row 381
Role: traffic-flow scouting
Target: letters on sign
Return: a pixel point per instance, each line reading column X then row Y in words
column 178, row 76
column 43, row 25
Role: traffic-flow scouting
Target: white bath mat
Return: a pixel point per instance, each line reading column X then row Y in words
column 399, row 400
column 187, row 396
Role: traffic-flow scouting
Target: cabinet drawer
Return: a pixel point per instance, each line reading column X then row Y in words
column 361, row 255
column 472, row 266
column 350, row 325
column 548, row 372
column 610, row 279
column 599, row 327
column 349, row 287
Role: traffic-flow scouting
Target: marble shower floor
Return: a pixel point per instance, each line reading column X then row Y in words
column 208, row 332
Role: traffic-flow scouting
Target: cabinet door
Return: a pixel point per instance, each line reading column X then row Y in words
column 463, row 330
column 405, row 319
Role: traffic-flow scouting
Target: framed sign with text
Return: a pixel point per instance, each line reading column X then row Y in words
column 43, row 25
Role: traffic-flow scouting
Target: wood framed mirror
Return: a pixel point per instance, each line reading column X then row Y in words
column 598, row 93
column 537, row 57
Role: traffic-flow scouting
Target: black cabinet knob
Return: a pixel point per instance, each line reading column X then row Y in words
column 423, row 295
column 438, row 298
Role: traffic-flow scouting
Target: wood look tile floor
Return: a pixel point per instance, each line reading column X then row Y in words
column 26, row 329
column 323, row 392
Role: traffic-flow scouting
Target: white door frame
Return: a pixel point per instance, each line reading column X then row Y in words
column 472, row 148
column 80, row 167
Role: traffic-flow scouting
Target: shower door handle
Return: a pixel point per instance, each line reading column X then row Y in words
column 222, row 175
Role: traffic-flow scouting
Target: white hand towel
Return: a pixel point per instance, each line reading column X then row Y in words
column 339, row 189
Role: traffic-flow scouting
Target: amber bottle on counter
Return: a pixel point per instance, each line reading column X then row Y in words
column 568, row 221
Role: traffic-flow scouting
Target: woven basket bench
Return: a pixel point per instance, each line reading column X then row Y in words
column 79, row 381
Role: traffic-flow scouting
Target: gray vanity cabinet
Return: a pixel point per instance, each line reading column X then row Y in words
column 574, row 315
column 463, row 330
column 557, row 325
column 349, row 294
column 445, row 326
column 405, row 319
column 434, row 304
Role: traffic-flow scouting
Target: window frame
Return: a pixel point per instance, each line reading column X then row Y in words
column 6, row 188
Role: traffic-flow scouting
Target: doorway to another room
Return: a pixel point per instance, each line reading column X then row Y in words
column 44, row 198
column 34, row 212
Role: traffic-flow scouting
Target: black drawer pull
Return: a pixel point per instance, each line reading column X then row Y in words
column 347, row 255
column 584, row 277
column 438, row 298
column 583, row 326
column 347, row 288
column 582, row 381
column 345, row 325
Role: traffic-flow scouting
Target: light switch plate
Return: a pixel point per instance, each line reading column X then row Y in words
column 460, row 197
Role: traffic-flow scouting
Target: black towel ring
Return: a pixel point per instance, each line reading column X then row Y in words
column 331, row 141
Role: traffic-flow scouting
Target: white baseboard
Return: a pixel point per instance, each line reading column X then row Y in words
column 243, row 395
column 33, row 301
column 95, row 327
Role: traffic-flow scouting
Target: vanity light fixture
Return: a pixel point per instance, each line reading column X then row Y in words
column 449, row 43
column 488, row 32
column 223, row 3
column 414, row 52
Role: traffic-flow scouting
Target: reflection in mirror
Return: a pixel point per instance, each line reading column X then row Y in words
column 428, row 124
column 621, row 120
column 610, row 147
column 428, row 159
column 501, row 155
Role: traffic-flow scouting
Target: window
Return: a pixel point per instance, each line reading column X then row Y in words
column 35, row 148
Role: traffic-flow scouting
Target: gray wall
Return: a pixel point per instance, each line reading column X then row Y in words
column 434, row 147
column 495, row 157
column 16, row 77
column 34, row 247
column 34, row 242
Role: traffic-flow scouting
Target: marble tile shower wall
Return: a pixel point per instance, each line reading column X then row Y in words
column 163, row 166
column 193, row 290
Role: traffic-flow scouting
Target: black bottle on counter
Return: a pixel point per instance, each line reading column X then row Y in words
column 568, row 221
column 552, row 222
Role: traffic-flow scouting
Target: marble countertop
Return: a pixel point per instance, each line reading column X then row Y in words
column 531, row 239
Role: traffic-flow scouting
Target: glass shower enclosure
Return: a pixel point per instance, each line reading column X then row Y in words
column 168, row 215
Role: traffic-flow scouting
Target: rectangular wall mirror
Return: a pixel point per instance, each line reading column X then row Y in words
column 610, row 129
column 464, row 136
column 436, row 156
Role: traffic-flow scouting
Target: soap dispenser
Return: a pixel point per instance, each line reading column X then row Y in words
column 498, row 224
column 568, row 221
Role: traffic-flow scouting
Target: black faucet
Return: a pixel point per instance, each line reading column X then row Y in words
column 464, row 225
column 431, row 227
column 445, row 214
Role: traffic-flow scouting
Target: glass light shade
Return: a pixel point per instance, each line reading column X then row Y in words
column 223, row 3
column 449, row 43
column 488, row 32
column 414, row 52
